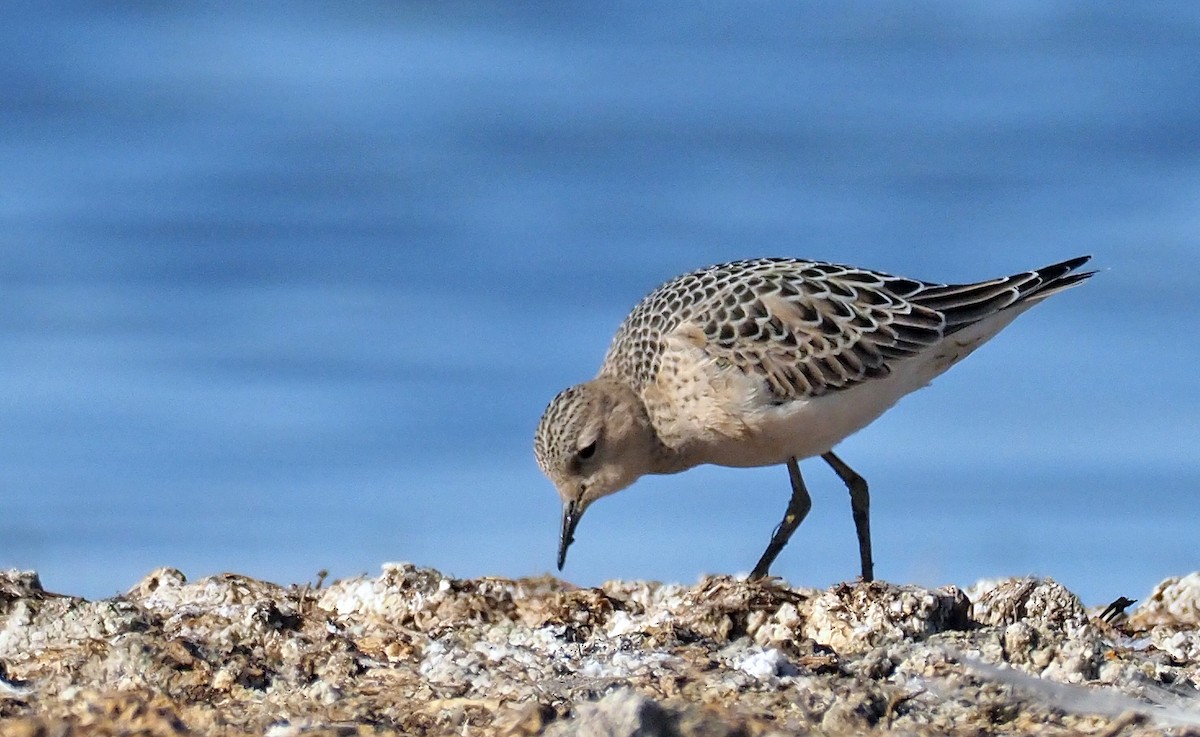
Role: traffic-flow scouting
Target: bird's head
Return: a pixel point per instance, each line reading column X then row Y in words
column 593, row 440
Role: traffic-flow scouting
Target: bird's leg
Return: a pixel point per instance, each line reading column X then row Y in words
column 797, row 509
column 860, row 505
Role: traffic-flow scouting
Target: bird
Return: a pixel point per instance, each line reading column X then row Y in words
column 764, row 362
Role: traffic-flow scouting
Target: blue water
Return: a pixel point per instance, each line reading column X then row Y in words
column 286, row 287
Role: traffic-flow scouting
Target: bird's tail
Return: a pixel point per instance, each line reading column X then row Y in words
column 964, row 304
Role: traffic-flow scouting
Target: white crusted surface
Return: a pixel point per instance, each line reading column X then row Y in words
column 414, row 651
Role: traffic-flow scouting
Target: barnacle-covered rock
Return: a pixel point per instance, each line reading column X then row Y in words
column 413, row 651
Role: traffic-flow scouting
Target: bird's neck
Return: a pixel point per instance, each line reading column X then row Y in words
column 669, row 460
column 660, row 457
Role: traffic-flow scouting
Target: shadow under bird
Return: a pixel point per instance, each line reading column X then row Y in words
column 763, row 362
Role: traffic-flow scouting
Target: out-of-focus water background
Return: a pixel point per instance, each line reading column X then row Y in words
column 286, row 286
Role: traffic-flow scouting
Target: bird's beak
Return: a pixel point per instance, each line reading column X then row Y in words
column 572, row 511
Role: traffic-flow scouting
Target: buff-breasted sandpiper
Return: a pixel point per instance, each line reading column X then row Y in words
column 763, row 362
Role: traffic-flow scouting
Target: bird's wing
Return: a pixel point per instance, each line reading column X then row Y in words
column 806, row 328
column 809, row 328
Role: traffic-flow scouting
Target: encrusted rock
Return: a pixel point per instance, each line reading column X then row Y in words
column 16, row 585
column 624, row 713
column 1175, row 601
column 413, row 651
column 1014, row 600
column 856, row 618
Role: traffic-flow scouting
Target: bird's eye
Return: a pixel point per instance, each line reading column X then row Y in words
column 587, row 451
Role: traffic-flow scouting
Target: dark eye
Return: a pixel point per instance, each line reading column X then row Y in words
column 587, row 451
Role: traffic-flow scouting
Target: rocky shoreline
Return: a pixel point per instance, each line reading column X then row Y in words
column 414, row 652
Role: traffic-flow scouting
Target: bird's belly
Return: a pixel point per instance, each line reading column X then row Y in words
column 810, row 427
column 800, row 429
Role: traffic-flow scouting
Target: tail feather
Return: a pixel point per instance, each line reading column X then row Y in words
column 964, row 304
column 1057, row 277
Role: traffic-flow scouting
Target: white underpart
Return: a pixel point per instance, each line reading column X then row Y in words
column 810, row 427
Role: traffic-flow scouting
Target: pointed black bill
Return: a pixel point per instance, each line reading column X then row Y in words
column 570, row 518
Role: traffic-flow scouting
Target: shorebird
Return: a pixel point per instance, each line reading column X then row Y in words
column 763, row 362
